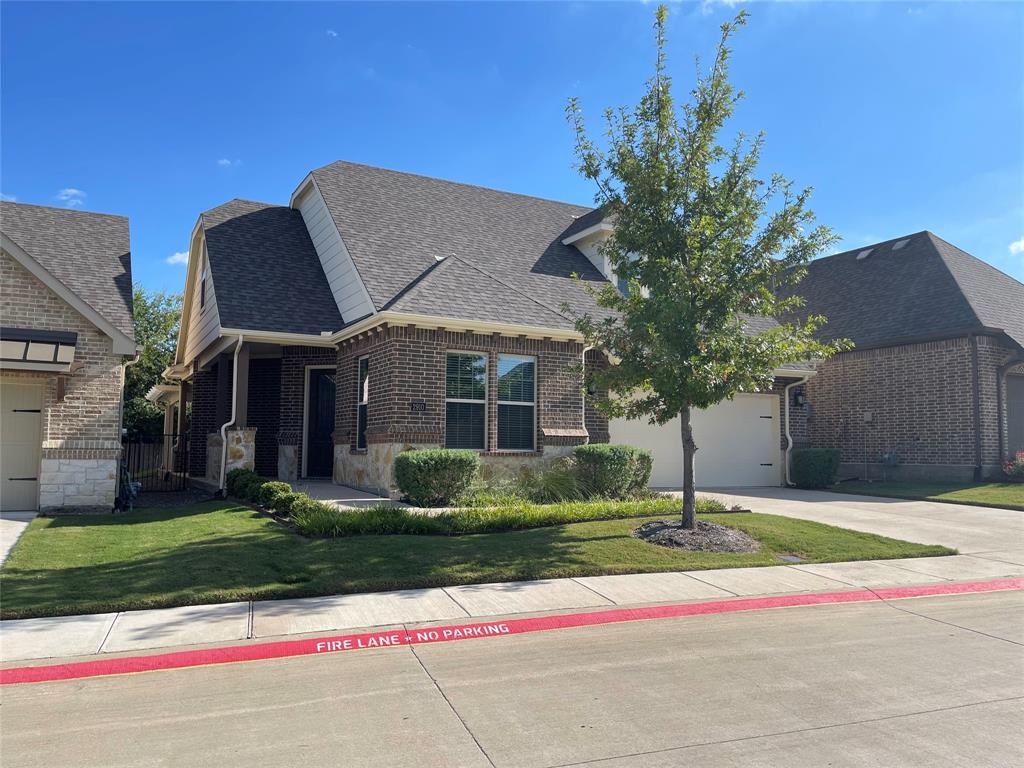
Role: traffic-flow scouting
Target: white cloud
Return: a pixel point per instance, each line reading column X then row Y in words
column 226, row 163
column 8, row 198
column 331, row 33
column 71, row 197
column 181, row 257
column 1017, row 246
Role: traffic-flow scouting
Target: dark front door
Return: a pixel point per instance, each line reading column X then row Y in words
column 320, row 424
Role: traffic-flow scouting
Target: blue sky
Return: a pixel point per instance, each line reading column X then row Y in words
column 902, row 116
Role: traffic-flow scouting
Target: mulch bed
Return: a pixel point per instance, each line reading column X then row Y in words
column 706, row 537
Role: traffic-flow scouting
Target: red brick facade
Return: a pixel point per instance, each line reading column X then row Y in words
column 914, row 402
column 407, row 368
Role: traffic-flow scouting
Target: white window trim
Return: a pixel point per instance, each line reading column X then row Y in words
column 533, row 403
column 487, row 378
column 305, row 415
column 360, row 394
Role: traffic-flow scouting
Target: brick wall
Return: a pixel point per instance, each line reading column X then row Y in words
column 205, row 396
column 84, row 427
column 919, row 398
column 264, row 411
column 407, row 364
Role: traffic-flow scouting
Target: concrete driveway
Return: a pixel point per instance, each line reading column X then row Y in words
column 972, row 530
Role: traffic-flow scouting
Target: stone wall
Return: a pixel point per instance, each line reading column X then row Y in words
column 81, row 433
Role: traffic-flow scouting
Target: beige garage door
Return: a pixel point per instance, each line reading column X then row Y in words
column 737, row 441
column 20, row 442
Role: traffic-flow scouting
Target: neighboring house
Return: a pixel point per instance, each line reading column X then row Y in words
column 66, row 313
column 381, row 311
column 934, row 388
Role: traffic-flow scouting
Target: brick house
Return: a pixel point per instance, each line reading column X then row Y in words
column 381, row 311
column 66, row 308
column 934, row 387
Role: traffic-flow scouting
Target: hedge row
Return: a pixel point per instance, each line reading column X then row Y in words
column 326, row 520
column 318, row 518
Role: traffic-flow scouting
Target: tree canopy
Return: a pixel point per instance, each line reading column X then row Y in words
column 703, row 243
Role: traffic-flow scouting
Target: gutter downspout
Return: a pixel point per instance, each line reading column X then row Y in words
column 583, row 381
column 124, row 378
column 230, row 422
column 785, row 421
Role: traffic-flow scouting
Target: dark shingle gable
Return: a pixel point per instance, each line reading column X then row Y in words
column 90, row 253
column 923, row 288
column 266, row 273
column 395, row 226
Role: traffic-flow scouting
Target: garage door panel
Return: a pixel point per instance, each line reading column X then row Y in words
column 737, row 444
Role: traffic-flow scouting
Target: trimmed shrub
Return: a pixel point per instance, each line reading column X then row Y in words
column 270, row 490
column 435, row 477
column 283, row 502
column 814, row 467
column 235, row 479
column 612, row 471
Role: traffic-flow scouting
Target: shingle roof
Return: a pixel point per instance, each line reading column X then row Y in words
column 89, row 253
column 266, row 272
column 922, row 288
column 395, row 225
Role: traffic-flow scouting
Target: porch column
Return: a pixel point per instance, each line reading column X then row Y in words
column 184, row 393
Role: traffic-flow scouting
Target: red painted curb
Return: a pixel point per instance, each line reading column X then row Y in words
column 455, row 632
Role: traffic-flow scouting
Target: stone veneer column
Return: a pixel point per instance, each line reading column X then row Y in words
column 241, row 452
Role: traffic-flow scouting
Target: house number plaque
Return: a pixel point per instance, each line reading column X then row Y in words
column 417, row 406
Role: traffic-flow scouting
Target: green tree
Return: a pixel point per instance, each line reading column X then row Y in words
column 157, row 314
column 704, row 244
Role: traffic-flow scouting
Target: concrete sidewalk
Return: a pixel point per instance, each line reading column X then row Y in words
column 12, row 525
column 192, row 625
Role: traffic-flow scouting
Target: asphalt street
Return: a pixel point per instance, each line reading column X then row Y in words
column 935, row 681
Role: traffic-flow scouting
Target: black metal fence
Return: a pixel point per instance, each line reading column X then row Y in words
column 156, row 462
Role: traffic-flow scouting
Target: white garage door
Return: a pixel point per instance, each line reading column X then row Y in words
column 737, row 441
column 19, row 445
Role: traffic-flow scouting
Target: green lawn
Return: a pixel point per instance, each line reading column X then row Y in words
column 217, row 552
column 1003, row 495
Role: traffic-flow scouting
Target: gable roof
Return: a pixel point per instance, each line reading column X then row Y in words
column 397, row 225
column 266, row 272
column 907, row 288
column 89, row 253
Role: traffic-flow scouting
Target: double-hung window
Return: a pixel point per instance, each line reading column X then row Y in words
column 465, row 407
column 517, row 400
column 362, row 398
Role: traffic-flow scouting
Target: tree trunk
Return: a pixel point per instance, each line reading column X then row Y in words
column 689, row 449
